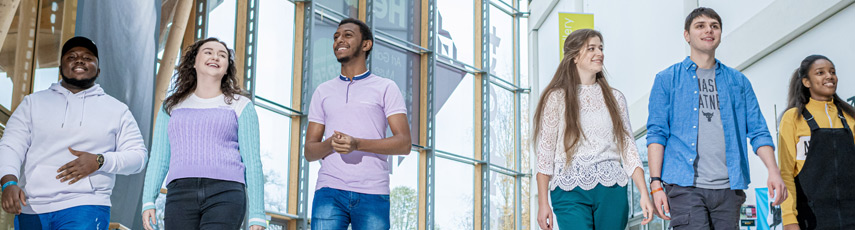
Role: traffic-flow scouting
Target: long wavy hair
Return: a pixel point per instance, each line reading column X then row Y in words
column 567, row 79
column 185, row 79
column 798, row 95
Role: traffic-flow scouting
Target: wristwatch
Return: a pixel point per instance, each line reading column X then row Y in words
column 652, row 179
column 100, row 160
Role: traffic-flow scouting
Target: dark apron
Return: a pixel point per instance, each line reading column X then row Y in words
column 825, row 187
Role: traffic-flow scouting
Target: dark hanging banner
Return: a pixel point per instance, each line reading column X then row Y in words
column 125, row 33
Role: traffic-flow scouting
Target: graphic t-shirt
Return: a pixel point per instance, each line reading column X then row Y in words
column 710, row 167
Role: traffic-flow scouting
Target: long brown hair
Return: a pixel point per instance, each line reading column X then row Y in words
column 798, row 95
column 185, row 82
column 566, row 79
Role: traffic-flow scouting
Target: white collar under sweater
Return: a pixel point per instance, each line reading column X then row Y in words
column 196, row 102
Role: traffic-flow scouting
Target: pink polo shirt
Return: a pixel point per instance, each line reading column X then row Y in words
column 358, row 108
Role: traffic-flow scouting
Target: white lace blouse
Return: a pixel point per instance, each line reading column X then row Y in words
column 597, row 159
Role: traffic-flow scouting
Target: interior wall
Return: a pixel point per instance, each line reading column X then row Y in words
column 641, row 38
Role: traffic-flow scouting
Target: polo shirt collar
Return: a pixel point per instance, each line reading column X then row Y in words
column 357, row 77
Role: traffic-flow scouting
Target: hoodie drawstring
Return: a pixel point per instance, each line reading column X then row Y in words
column 83, row 109
column 65, row 115
column 94, row 91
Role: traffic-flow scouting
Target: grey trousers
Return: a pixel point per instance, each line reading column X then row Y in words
column 699, row 208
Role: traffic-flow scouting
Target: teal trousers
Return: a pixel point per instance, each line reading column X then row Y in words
column 601, row 208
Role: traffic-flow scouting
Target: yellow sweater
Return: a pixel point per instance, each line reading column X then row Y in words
column 794, row 133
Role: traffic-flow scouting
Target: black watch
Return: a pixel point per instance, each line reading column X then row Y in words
column 652, row 179
column 100, row 160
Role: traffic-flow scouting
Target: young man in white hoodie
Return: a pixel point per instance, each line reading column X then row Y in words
column 68, row 142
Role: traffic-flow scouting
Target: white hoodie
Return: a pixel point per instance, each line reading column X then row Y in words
column 46, row 123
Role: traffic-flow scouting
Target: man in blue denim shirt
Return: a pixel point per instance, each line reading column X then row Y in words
column 700, row 114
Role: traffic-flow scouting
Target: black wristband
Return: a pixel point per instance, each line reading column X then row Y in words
column 652, row 179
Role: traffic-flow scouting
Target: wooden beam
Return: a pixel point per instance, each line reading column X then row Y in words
column 279, row 217
column 423, row 116
column 5, row 114
column 190, row 32
column 69, row 18
column 363, row 11
column 296, row 102
column 423, row 157
column 240, row 40
column 7, row 14
column 22, row 74
column 477, row 194
column 167, row 12
column 170, row 53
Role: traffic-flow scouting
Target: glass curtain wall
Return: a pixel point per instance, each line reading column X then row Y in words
column 398, row 28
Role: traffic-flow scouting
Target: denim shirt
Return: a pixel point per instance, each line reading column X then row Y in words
column 673, row 121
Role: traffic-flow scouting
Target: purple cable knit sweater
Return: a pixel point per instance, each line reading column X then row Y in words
column 204, row 143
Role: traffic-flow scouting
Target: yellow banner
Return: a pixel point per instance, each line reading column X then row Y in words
column 569, row 22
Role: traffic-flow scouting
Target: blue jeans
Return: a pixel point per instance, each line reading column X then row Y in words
column 335, row 209
column 79, row 217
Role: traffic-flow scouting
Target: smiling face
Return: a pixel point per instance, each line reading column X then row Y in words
column 591, row 57
column 821, row 80
column 212, row 59
column 79, row 64
column 348, row 43
column 704, row 34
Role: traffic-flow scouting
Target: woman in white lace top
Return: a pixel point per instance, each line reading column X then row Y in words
column 585, row 151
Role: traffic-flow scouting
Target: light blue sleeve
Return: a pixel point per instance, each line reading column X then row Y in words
column 158, row 162
column 659, row 109
column 249, row 144
column 757, row 131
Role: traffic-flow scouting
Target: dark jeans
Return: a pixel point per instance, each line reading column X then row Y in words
column 79, row 217
column 699, row 208
column 202, row 203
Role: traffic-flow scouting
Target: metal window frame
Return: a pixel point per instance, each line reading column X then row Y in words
column 250, row 47
column 200, row 7
column 484, row 17
column 429, row 164
column 303, row 193
column 487, row 79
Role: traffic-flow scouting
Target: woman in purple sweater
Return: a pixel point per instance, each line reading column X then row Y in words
column 207, row 133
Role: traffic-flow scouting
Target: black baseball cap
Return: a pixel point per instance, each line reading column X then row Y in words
column 80, row 42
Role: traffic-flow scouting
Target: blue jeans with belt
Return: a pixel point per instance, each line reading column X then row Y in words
column 336, row 209
column 79, row 217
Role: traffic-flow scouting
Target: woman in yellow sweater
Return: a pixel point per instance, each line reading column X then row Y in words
column 817, row 150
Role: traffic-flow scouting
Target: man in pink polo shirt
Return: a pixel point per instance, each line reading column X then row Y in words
column 348, row 117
